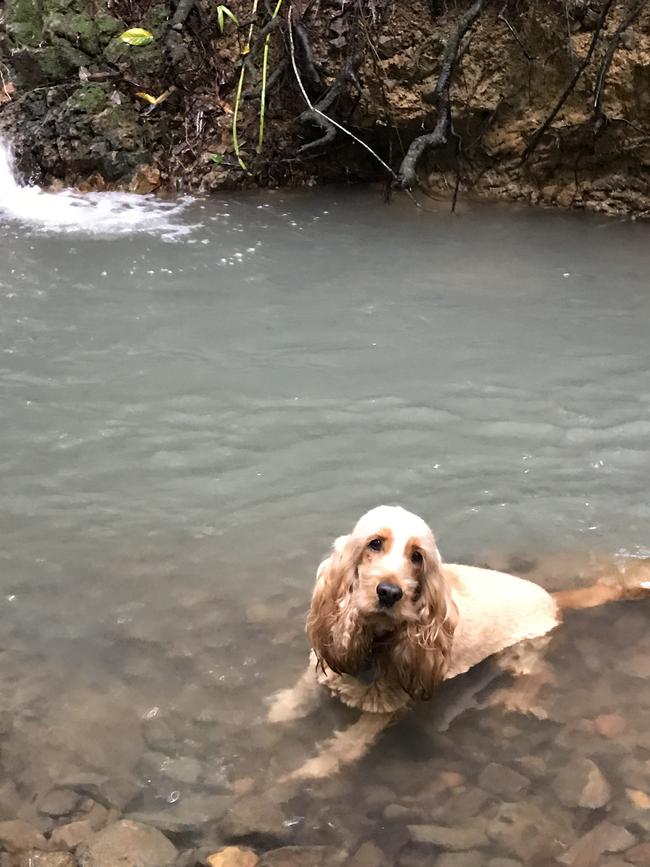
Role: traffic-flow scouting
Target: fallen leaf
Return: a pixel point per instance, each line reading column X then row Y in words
column 136, row 36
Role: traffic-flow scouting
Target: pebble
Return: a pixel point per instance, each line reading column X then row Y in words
column 639, row 855
column 71, row 835
column 303, row 856
column 127, row 844
column 255, row 818
column 233, row 856
column 16, row 836
column 115, row 793
column 59, row 802
column 640, row 799
column 502, row 781
column 460, row 859
column 610, row 725
column 455, row 839
column 35, row 858
column 581, row 784
column 367, row 855
column 604, row 837
column 187, row 814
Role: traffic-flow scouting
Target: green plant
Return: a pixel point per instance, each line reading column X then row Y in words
column 265, row 65
column 224, row 12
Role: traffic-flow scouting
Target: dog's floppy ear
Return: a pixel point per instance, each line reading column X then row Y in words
column 336, row 636
column 422, row 654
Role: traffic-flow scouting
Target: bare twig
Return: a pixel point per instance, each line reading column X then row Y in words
column 584, row 63
column 317, row 112
column 438, row 136
column 598, row 116
column 502, row 17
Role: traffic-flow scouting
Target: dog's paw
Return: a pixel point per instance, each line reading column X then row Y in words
column 285, row 706
column 315, row 769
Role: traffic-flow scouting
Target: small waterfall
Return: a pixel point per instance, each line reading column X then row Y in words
column 86, row 213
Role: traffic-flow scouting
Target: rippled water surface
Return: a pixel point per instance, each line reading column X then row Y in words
column 187, row 420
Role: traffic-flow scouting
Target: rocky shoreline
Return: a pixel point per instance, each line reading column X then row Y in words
column 71, row 98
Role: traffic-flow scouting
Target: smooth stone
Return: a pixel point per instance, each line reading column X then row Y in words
column 639, row 798
column 303, row 856
column 189, row 813
column 639, row 855
column 184, row 770
column 367, row 855
column 233, row 856
column 71, row 835
column 460, row 859
column 59, row 802
column 127, row 844
column 253, row 817
column 36, row 858
column 503, row 862
column 581, row 784
column 502, row 781
column 17, row 835
column 456, row 839
column 603, row 838
column 527, row 831
column 103, row 789
column 610, row 725
column 97, row 815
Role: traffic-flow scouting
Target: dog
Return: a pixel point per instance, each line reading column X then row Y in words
column 389, row 621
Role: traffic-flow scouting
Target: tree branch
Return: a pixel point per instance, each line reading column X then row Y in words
column 598, row 116
column 438, row 136
column 584, row 63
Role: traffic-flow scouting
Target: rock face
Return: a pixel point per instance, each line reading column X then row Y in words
column 127, row 844
column 72, row 100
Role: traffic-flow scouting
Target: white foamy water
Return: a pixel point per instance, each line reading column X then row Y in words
column 107, row 213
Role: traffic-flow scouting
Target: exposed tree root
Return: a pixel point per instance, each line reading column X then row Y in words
column 584, row 63
column 598, row 117
column 441, row 99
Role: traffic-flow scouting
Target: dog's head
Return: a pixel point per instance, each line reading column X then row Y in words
column 382, row 592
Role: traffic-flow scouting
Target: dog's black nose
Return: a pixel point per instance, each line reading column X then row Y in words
column 388, row 594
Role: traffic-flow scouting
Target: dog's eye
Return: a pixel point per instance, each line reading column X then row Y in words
column 375, row 544
column 416, row 558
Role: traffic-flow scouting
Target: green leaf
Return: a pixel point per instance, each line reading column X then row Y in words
column 136, row 36
column 217, row 158
column 222, row 12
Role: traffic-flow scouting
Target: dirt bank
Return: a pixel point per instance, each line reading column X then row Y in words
column 69, row 96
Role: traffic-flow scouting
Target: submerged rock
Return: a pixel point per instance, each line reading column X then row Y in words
column 233, row 856
column 455, row 839
column 59, row 802
column 16, row 836
column 303, row 856
column 36, row 858
column 502, row 781
column 189, row 814
column 582, row 784
column 253, row 817
column 71, row 835
column 127, row 844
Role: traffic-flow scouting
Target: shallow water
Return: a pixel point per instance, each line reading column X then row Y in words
column 189, row 419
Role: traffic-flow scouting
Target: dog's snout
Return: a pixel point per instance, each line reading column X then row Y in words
column 388, row 594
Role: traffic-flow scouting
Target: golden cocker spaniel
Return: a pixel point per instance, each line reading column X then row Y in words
column 389, row 621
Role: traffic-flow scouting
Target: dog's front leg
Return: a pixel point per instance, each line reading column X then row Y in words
column 531, row 672
column 344, row 748
column 296, row 702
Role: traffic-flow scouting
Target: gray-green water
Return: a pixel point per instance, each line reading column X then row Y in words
column 186, row 424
